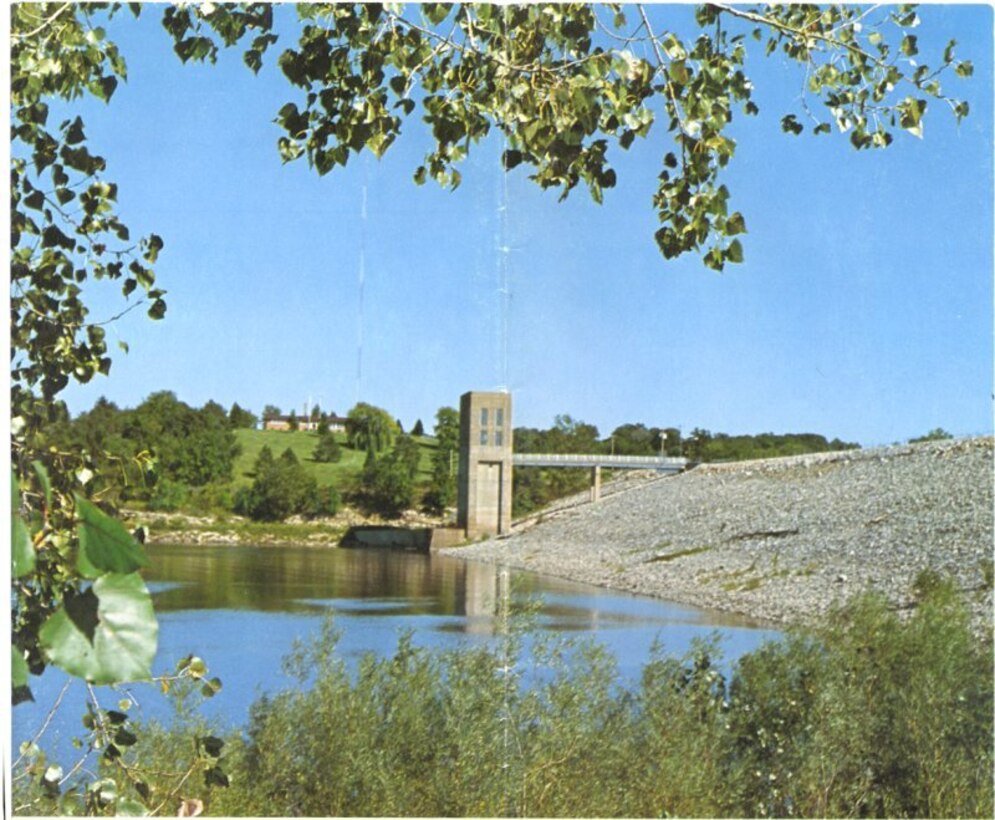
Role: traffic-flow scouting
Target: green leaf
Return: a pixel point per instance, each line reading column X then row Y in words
column 196, row 667
column 22, row 550
column 105, row 790
column 18, row 668
column 44, row 480
column 211, row 687
column 735, row 224
column 158, row 309
column 436, row 12
column 154, row 246
column 734, row 253
column 253, row 59
column 36, row 200
column 713, row 259
column 107, row 634
column 964, row 69
column 104, row 87
column 910, row 115
column 116, row 718
column 74, row 134
column 679, row 73
column 789, row 124
column 104, row 544
column 125, row 807
column 511, row 158
column 215, row 776
column 211, row 746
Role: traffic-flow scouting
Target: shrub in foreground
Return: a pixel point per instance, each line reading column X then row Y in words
column 867, row 716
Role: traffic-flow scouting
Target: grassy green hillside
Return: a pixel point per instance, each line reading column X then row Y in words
column 343, row 474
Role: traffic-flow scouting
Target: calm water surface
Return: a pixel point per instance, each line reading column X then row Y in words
column 241, row 609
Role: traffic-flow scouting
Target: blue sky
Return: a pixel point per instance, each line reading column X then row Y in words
column 863, row 310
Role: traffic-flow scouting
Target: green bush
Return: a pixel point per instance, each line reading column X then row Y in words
column 169, row 495
column 212, row 498
column 327, row 450
column 389, row 480
column 868, row 715
column 282, row 488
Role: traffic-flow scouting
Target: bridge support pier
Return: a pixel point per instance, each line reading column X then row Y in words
column 596, row 483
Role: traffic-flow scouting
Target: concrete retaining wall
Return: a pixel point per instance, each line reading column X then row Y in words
column 403, row 538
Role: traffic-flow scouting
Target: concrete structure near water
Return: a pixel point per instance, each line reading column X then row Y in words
column 484, row 486
column 483, row 502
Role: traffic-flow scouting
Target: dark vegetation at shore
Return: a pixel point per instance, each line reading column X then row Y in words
column 169, row 457
column 869, row 715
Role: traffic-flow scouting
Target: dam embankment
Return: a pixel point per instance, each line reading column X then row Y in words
column 781, row 539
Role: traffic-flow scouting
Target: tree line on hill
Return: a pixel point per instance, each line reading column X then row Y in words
column 158, row 451
column 169, row 456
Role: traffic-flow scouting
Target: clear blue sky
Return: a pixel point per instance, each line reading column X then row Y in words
column 864, row 309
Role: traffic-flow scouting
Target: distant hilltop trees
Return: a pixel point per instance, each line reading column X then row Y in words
column 568, row 435
column 169, row 456
column 534, row 487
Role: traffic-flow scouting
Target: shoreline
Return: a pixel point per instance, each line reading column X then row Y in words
column 779, row 540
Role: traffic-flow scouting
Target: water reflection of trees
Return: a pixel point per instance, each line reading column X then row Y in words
column 282, row 579
column 463, row 596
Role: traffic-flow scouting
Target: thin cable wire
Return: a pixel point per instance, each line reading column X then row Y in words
column 504, row 286
column 504, row 597
column 361, row 288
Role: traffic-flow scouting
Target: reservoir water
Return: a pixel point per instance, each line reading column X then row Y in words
column 241, row 609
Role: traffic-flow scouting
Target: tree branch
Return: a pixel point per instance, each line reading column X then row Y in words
column 663, row 65
column 798, row 33
column 48, row 21
column 47, row 721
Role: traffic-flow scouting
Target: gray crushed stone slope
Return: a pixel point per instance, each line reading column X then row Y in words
column 781, row 539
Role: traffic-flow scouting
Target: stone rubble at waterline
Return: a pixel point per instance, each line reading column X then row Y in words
column 781, row 540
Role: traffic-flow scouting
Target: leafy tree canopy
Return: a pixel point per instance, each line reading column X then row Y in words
column 565, row 85
column 442, row 486
column 241, row 418
column 370, row 428
column 327, row 449
column 388, row 480
column 281, row 487
column 936, row 434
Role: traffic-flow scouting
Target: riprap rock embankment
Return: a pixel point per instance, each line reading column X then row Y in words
column 781, row 539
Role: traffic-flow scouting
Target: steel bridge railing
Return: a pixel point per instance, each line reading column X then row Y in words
column 661, row 463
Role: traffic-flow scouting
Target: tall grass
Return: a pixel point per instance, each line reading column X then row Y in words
column 869, row 715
